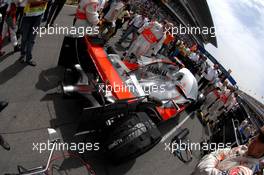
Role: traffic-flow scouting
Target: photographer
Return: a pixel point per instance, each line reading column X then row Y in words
column 244, row 159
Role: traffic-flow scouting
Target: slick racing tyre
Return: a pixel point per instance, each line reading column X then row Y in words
column 132, row 137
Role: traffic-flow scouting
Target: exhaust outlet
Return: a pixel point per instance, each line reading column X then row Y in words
column 69, row 89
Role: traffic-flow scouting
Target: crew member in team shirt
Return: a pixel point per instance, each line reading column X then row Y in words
column 209, row 76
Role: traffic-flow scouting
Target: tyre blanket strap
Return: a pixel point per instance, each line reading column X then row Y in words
column 179, row 139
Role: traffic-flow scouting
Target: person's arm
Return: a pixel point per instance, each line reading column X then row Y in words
column 92, row 14
column 158, row 45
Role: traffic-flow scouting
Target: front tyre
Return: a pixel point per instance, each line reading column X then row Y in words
column 132, row 137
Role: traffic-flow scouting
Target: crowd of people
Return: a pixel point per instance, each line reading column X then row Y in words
column 145, row 21
column 20, row 18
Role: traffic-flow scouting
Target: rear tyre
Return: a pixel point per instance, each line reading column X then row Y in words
column 132, row 137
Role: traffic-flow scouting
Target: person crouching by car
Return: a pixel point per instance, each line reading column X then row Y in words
column 33, row 12
column 87, row 14
column 244, row 159
column 10, row 26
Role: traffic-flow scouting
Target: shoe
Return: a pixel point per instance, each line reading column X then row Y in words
column 4, row 144
column 3, row 104
column 21, row 59
column 17, row 48
column 2, row 53
column 31, row 63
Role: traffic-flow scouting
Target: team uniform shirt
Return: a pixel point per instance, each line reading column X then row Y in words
column 194, row 57
column 228, row 161
column 231, row 102
column 35, row 7
column 225, row 94
column 87, row 14
column 211, row 74
column 149, row 41
column 9, row 26
column 138, row 21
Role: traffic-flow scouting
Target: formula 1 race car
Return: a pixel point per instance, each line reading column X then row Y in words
column 124, row 102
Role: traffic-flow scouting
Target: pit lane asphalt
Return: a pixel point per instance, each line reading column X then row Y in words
column 33, row 108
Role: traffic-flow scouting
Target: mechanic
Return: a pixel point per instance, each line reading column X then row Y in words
column 212, row 97
column 33, row 12
column 166, row 38
column 231, row 102
column 10, row 26
column 152, row 35
column 202, row 64
column 194, row 57
column 3, row 8
column 225, row 95
column 3, row 143
column 135, row 24
column 244, row 159
column 87, row 14
column 109, row 21
column 165, row 46
column 209, row 76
